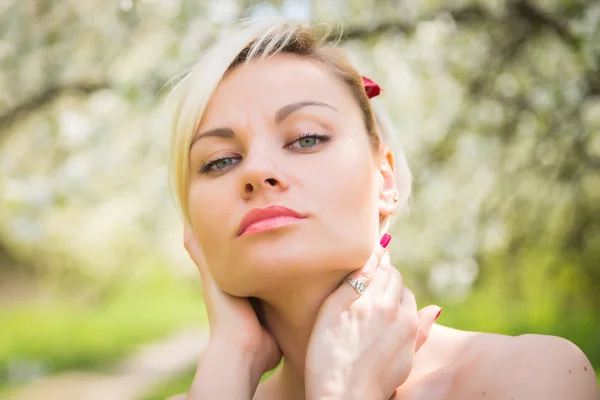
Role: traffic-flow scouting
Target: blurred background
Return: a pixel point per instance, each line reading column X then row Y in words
column 497, row 104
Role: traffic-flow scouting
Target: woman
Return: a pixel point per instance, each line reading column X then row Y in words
column 287, row 179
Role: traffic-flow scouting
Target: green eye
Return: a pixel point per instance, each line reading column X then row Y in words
column 308, row 141
column 222, row 163
column 219, row 164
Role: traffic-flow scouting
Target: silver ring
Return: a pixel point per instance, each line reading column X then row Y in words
column 357, row 284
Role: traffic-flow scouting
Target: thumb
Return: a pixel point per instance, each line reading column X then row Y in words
column 427, row 316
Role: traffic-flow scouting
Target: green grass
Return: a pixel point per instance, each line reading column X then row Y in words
column 178, row 385
column 61, row 334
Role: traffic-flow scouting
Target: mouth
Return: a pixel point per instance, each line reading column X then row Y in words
column 267, row 219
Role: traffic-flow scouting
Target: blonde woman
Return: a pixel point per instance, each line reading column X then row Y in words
column 287, row 178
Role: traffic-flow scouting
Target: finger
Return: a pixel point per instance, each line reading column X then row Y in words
column 427, row 317
column 410, row 317
column 380, row 250
column 409, row 302
column 365, row 274
column 392, row 291
column 385, row 259
column 379, row 287
column 193, row 248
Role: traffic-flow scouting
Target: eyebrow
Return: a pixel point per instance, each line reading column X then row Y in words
column 285, row 111
column 280, row 116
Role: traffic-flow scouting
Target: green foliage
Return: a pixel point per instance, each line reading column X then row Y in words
column 62, row 334
column 178, row 385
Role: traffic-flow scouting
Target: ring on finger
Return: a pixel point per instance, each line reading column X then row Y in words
column 358, row 285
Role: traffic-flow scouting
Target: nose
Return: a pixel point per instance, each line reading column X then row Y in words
column 262, row 173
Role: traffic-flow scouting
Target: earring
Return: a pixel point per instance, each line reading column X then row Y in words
column 395, row 199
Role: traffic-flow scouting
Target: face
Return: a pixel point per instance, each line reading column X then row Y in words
column 282, row 151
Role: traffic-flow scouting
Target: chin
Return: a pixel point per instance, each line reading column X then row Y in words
column 279, row 260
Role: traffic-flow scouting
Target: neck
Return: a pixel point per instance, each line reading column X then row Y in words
column 290, row 313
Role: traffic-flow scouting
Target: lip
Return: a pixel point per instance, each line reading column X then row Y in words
column 266, row 219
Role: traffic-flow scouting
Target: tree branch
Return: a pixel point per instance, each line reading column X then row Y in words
column 474, row 14
column 44, row 98
column 540, row 19
column 466, row 15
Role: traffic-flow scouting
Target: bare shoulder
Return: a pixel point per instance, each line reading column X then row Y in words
column 525, row 367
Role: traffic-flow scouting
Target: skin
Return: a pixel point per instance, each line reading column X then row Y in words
column 344, row 186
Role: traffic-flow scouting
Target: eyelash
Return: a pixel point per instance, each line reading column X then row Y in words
column 206, row 169
column 321, row 137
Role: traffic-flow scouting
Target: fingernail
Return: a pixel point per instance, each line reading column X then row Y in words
column 437, row 315
column 385, row 240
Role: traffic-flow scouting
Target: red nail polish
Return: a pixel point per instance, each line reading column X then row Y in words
column 385, row 240
column 437, row 315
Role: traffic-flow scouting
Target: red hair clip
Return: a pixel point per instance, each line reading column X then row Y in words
column 371, row 88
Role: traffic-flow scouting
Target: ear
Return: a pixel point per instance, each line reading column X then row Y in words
column 388, row 189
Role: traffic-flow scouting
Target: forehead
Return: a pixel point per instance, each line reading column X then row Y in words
column 266, row 85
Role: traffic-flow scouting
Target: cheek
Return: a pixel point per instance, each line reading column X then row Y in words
column 209, row 215
column 350, row 191
column 347, row 203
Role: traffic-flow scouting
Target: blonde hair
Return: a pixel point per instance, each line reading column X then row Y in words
column 257, row 40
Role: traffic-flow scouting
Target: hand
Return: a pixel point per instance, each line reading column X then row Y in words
column 363, row 346
column 234, row 326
